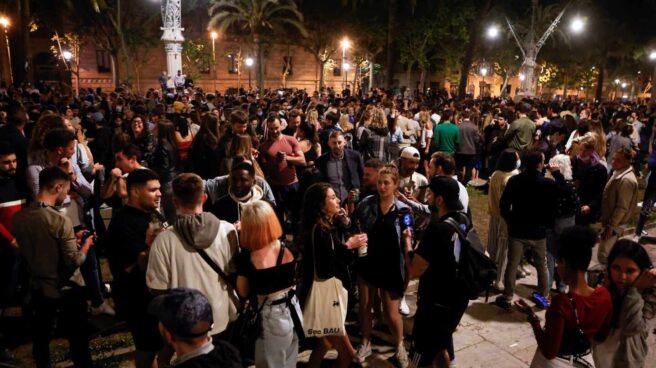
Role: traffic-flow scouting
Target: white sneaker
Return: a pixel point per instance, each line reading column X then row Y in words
column 402, row 356
column 404, row 309
column 362, row 353
column 103, row 308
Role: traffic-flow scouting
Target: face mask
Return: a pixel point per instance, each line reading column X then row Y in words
column 518, row 164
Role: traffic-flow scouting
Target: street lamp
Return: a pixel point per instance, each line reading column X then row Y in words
column 214, row 36
column 249, row 63
column 345, row 43
column 4, row 22
column 652, row 58
column 67, row 56
column 493, row 32
column 347, row 67
column 522, row 77
column 483, row 70
column 652, row 55
column 577, row 25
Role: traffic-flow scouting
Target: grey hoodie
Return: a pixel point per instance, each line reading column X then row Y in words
column 199, row 230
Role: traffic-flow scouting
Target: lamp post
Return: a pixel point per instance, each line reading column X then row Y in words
column 652, row 58
column 4, row 22
column 345, row 44
column 249, row 64
column 616, row 82
column 483, row 70
column 347, row 66
column 214, row 36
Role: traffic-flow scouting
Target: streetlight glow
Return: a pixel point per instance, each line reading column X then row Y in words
column 624, row 85
column 4, row 22
column 347, row 66
column 577, row 25
column 617, row 81
column 484, row 71
column 652, row 55
column 249, row 62
column 67, row 55
column 345, row 43
column 214, row 35
column 493, row 32
column 522, row 77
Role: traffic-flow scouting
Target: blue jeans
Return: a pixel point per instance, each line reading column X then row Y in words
column 553, row 245
column 278, row 345
column 286, row 202
column 91, row 275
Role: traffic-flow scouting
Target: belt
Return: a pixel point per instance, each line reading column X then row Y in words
column 287, row 300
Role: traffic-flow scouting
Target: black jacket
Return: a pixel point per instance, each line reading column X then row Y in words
column 529, row 204
column 354, row 165
column 223, row 355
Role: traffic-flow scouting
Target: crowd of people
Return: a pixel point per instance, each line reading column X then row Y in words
column 248, row 224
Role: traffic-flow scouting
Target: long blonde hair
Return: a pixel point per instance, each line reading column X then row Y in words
column 378, row 119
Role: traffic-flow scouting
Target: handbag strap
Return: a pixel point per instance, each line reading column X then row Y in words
column 576, row 314
column 234, row 295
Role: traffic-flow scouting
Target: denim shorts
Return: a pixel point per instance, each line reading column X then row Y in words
column 278, row 344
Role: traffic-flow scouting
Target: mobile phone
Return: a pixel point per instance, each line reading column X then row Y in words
column 407, row 221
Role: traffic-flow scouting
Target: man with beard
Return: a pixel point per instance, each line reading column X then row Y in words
column 53, row 252
column 494, row 142
column 341, row 167
column 129, row 237
column 279, row 156
column 12, row 200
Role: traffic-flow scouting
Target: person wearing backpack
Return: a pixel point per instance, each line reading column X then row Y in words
column 441, row 298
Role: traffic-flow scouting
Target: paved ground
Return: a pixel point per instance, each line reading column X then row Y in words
column 487, row 337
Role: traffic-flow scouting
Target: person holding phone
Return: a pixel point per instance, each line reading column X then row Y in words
column 575, row 319
column 630, row 278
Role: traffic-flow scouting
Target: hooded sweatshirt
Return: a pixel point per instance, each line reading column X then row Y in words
column 228, row 208
column 174, row 262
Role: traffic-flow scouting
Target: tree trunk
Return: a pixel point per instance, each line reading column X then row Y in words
column 565, row 86
column 422, row 79
column 260, row 64
column 474, row 37
column 20, row 40
column 322, row 67
column 600, row 77
column 504, row 86
column 652, row 99
column 408, row 75
column 392, row 10
column 115, row 74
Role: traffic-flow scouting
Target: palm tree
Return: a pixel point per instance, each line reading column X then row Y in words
column 260, row 18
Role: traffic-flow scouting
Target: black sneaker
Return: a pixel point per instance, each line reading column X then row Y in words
column 502, row 302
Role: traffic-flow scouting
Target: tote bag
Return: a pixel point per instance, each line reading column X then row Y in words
column 325, row 308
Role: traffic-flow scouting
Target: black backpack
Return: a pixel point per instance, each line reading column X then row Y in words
column 475, row 271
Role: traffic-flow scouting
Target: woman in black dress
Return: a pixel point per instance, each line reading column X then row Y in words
column 381, row 217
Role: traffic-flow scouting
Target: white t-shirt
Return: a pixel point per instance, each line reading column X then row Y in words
column 173, row 264
column 416, row 180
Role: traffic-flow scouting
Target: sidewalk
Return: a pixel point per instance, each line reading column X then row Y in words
column 487, row 336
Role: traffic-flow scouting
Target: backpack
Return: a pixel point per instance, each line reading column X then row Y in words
column 475, row 271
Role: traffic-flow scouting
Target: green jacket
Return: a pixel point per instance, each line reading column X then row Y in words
column 446, row 137
column 520, row 133
column 47, row 243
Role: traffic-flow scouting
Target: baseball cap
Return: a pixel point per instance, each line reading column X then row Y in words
column 184, row 312
column 448, row 189
column 410, row 152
